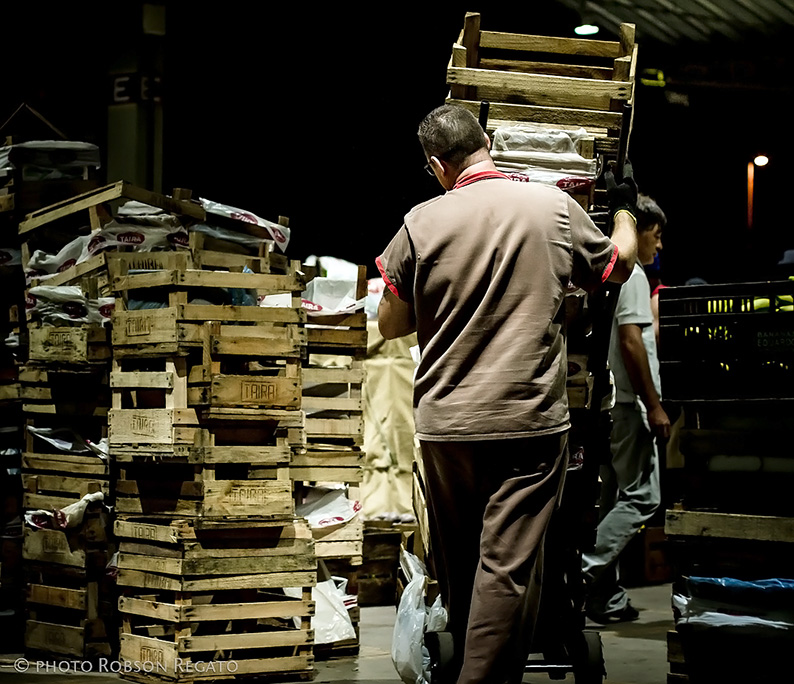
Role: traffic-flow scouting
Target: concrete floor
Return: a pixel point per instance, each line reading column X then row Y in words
column 635, row 653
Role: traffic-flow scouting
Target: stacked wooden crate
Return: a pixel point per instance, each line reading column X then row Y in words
column 333, row 378
column 206, row 414
column 725, row 353
column 24, row 186
column 64, row 388
column 551, row 82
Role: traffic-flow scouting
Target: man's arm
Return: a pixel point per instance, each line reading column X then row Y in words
column 624, row 235
column 395, row 317
column 635, row 358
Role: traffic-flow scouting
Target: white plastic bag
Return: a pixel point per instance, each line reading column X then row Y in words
column 331, row 620
column 409, row 655
column 327, row 507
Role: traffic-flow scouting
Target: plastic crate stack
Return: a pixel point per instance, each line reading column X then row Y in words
column 70, row 604
column 33, row 173
column 329, row 471
column 726, row 357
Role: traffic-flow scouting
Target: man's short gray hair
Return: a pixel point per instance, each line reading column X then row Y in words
column 451, row 133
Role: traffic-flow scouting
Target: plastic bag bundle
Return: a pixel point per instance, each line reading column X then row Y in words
column 66, row 305
column 543, row 155
column 408, row 652
column 150, row 236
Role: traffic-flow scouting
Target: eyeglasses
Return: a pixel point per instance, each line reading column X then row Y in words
column 429, row 169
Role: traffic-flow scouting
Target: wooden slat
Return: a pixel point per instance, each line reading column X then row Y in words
column 142, row 379
column 252, row 390
column 543, row 89
column 95, row 263
column 563, row 46
column 203, row 613
column 729, row 525
column 51, row 546
column 586, row 118
column 107, row 194
column 332, row 404
column 333, row 375
column 74, row 599
column 217, row 566
column 51, row 638
column 274, row 580
column 248, row 497
column 249, row 314
column 555, row 69
column 260, row 455
column 68, row 463
column 163, row 655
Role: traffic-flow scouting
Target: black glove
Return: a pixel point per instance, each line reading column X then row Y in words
column 622, row 196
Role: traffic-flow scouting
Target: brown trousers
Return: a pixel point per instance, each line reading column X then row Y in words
column 489, row 504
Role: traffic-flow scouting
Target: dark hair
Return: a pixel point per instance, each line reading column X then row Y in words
column 451, row 133
column 649, row 214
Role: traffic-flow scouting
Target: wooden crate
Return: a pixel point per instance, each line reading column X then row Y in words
column 211, row 482
column 69, row 597
column 75, row 391
column 559, row 82
column 51, row 482
column 152, row 431
column 341, row 541
column 733, row 462
column 332, row 400
column 193, row 590
column 82, row 344
column 161, row 382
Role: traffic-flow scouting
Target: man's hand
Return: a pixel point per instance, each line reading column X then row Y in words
column 659, row 422
column 622, row 196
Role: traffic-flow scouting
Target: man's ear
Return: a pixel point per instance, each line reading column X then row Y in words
column 487, row 141
column 437, row 164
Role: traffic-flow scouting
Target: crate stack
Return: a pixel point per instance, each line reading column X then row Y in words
column 215, row 568
column 725, row 354
column 333, row 378
column 552, row 84
column 33, row 173
column 65, row 467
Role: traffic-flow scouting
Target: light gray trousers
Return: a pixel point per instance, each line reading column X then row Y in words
column 629, row 496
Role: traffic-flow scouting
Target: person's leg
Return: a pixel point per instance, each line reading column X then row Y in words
column 455, row 513
column 525, row 487
column 636, row 467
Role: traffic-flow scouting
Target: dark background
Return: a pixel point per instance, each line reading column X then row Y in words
column 311, row 113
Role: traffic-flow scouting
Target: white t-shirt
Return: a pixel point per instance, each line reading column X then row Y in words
column 633, row 307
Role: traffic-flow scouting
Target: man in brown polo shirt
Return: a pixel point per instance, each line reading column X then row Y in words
column 480, row 274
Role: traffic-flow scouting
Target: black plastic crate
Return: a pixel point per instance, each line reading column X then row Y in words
column 727, row 342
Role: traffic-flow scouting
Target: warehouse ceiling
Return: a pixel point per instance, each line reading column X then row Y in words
column 674, row 22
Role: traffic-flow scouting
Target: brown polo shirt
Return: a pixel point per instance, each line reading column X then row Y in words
column 486, row 267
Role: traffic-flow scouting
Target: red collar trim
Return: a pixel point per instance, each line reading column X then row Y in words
column 482, row 175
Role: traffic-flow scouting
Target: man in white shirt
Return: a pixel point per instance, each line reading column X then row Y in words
column 630, row 482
